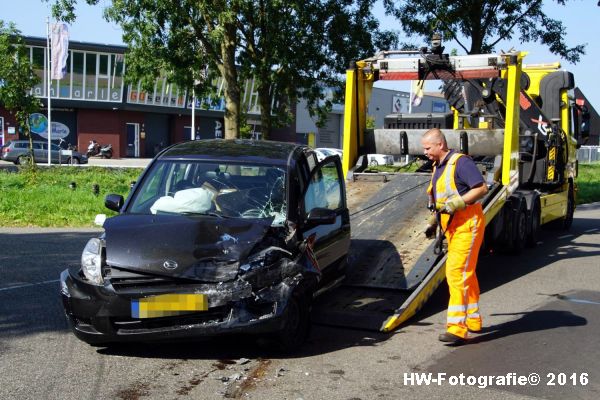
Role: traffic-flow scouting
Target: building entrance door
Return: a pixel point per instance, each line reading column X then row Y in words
column 133, row 140
column 187, row 133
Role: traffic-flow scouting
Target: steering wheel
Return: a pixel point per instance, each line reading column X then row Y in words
column 253, row 213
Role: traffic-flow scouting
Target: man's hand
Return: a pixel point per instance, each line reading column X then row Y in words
column 431, row 227
column 454, row 203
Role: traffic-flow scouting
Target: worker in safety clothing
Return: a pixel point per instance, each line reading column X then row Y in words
column 456, row 185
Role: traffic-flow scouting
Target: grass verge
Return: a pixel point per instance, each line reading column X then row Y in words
column 43, row 197
column 588, row 183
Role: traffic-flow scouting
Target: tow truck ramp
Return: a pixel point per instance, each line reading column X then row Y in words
column 389, row 256
column 393, row 269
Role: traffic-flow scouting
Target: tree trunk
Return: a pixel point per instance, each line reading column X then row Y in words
column 265, row 98
column 232, row 87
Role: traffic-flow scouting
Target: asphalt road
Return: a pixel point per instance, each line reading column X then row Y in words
column 541, row 311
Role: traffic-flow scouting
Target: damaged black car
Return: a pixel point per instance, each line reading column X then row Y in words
column 217, row 236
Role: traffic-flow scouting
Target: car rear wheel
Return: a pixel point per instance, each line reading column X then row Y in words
column 73, row 160
column 23, row 160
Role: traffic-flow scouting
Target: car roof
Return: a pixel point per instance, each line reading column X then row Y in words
column 260, row 151
column 27, row 141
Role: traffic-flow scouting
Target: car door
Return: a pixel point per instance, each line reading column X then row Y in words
column 326, row 189
column 56, row 156
column 40, row 152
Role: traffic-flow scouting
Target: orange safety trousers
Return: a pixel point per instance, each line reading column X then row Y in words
column 464, row 236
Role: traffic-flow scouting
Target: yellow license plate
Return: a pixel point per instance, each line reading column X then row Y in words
column 166, row 305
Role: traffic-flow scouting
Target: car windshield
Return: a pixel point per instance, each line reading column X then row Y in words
column 215, row 189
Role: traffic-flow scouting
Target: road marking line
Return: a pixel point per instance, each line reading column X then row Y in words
column 591, row 230
column 28, row 285
column 565, row 236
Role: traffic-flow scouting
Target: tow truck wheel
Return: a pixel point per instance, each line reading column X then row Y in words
column 297, row 325
column 520, row 228
column 534, row 225
column 567, row 220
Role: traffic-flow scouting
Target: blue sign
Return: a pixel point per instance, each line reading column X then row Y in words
column 39, row 125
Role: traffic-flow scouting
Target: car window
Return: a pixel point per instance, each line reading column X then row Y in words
column 20, row 145
column 152, row 188
column 199, row 187
column 38, row 146
column 324, row 189
column 55, row 147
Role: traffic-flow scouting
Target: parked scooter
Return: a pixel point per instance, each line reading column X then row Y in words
column 96, row 149
column 66, row 146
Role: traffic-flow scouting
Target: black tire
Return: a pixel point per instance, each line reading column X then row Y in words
column 108, row 154
column 23, row 160
column 567, row 220
column 520, row 228
column 297, row 325
column 564, row 223
column 73, row 161
column 533, row 233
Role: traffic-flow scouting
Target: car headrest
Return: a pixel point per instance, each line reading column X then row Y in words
column 216, row 175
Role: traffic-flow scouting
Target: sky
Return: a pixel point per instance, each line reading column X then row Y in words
column 580, row 17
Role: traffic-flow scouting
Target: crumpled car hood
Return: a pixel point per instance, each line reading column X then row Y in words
column 202, row 248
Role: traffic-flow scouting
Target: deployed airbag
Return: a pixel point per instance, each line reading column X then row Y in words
column 196, row 200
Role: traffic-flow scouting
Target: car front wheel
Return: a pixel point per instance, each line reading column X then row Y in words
column 297, row 325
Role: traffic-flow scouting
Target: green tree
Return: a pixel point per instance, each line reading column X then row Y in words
column 485, row 23
column 302, row 48
column 291, row 48
column 17, row 78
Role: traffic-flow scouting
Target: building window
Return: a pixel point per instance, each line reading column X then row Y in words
column 78, row 75
column 90, row 76
column 38, row 62
column 438, row 107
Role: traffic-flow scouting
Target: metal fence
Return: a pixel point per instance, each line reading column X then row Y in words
column 588, row 154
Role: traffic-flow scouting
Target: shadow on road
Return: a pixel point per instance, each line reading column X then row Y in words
column 533, row 321
column 322, row 340
column 495, row 270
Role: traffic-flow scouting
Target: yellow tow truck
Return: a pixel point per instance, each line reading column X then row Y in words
column 520, row 123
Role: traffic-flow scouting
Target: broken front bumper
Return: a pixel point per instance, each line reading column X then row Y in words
column 103, row 314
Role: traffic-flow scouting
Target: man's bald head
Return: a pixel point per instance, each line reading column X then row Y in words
column 434, row 145
column 435, row 136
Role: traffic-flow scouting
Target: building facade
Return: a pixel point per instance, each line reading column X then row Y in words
column 93, row 102
column 383, row 102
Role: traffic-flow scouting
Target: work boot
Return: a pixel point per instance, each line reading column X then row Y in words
column 451, row 339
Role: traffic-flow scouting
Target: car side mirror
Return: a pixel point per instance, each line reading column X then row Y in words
column 114, row 202
column 321, row 216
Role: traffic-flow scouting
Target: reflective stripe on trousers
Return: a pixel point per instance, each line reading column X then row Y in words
column 464, row 235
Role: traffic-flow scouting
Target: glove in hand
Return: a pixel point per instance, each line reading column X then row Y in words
column 431, row 227
column 454, row 203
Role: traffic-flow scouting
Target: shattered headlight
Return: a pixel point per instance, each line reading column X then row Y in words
column 268, row 267
column 91, row 261
column 265, row 258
